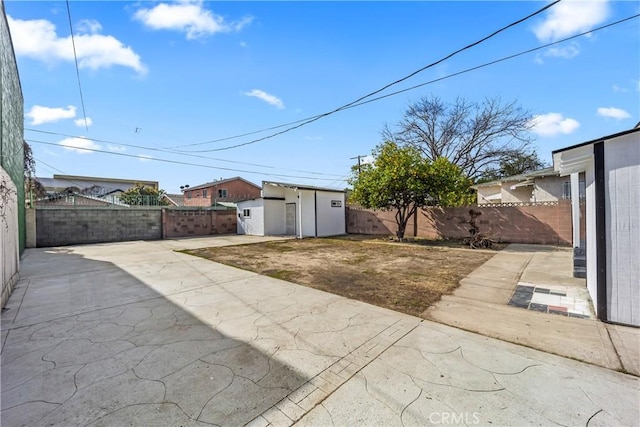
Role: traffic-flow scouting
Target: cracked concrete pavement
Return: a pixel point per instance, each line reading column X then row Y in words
column 136, row 334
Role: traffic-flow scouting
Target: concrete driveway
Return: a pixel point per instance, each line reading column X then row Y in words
column 137, row 334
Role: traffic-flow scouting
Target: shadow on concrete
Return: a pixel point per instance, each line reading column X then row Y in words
column 84, row 341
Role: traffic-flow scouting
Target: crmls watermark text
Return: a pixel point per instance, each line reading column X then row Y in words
column 449, row 418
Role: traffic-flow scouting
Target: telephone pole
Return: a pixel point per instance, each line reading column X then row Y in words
column 359, row 164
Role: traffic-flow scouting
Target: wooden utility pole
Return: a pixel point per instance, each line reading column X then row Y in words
column 359, row 163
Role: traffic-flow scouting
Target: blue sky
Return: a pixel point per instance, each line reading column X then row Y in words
column 168, row 75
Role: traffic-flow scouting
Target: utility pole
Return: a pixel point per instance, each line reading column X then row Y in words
column 359, row 164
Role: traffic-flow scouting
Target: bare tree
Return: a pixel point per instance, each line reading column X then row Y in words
column 473, row 136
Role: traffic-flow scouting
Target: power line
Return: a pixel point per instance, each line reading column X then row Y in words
column 177, row 161
column 75, row 56
column 486, row 64
column 345, row 106
column 504, row 58
column 53, row 168
column 178, row 152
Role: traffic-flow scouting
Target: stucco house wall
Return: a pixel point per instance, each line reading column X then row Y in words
column 318, row 211
column 253, row 224
column 540, row 186
column 549, row 189
column 611, row 166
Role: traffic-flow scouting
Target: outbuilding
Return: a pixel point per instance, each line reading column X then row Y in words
column 295, row 210
column 611, row 166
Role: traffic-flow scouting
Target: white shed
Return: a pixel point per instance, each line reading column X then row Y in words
column 611, row 165
column 295, row 210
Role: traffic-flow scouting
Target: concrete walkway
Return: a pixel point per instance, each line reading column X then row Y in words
column 137, row 334
column 480, row 305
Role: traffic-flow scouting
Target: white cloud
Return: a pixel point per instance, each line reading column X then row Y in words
column 37, row 39
column 613, row 113
column 566, row 52
column 39, row 114
column 189, row 17
column 88, row 26
column 570, row 17
column 81, row 122
column 268, row 98
column 144, row 158
column 116, row 148
column 79, row 145
column 552, row 124
column 617, row 88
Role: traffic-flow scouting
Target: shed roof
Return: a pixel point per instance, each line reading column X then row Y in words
column 301, row 187
column 529, row 176
column 602, row 138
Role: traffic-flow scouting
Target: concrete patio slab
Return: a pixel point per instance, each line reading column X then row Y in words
column 137, row 334
column 480, row 305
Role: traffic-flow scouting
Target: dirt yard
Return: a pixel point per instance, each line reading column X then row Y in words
column 403, row 277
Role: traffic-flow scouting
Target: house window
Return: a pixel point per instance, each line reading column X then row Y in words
column 566, row 190
column 222, row 194
column 188, row 194
column 204, row 193
column 246, row 213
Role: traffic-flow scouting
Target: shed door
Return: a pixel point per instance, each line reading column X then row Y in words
column 290, row 216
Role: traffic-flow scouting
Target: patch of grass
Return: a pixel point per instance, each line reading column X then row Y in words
column 403, row 277
column 280, row 274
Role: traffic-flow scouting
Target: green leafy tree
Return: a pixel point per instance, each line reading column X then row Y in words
column 139, row 195
column 401, row 180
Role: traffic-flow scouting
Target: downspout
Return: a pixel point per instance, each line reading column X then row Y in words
column 315, row 211
column 601, row 232
column 300, row 211
column 575, row 208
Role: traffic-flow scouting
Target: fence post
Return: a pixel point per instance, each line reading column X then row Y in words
column 163, row 224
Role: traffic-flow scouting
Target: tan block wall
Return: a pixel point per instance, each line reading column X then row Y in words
column 539, row 224
column 197, row 222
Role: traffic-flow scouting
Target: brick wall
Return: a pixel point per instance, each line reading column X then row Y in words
column 236, row 190
column 198, row 222
column 542, row 224
column 58, row 227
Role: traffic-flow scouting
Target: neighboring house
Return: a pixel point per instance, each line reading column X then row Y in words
column 544, row 185
column 77, row 199
column 295, row 210
column 224, row 190
column 59, row 182
column 611, row 166
column 174, row 199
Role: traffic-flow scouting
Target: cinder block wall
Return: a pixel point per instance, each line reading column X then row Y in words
column 198, row 222
column 541, row 224
column 58, row 227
